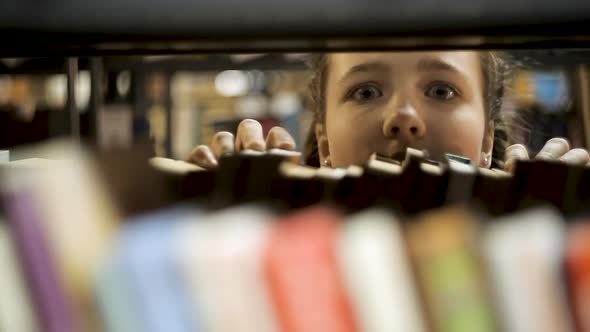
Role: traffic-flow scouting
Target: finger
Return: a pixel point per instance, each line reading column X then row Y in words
column 249, row 136
column 222, row 144
column 279, row 138
column 553, row 149
column 513, row 154
column 500, row 172
column 202, row 156
column 576, row 157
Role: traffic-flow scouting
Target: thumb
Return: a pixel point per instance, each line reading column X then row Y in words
column 513, row 154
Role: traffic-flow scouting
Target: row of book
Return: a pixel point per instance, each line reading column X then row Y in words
column 72, row 261
column 247, row 269
column 316, row 269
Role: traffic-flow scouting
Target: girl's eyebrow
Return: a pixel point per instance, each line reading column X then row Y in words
column 375, row 66
column 433, row 64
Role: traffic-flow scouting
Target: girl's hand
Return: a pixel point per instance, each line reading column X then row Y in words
column 248, row 137
column 554, row 149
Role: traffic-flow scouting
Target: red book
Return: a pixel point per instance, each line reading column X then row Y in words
column 302, row 273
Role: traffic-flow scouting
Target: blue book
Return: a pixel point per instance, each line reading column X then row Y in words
column 149, row 263
column 113, row 295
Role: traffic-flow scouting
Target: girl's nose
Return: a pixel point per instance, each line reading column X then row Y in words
column 404, row 124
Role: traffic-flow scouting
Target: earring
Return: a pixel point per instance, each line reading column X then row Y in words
column 486, row 159
column 327, row 162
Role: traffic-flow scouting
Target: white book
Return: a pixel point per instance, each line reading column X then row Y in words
column 16, row 311
column 377, row 273
column 523, row 252
column 240, row 250
column 220, row 258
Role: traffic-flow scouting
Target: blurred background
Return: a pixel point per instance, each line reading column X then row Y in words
column 177, row 102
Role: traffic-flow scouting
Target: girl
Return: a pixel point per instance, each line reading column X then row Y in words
column 442, row 102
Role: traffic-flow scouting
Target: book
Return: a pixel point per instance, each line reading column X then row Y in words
column 16, row 309
column 237, row 254
column 302, row 273
column 150, row 271
column 221, row 258
column 72, row 211
column 52, row 305
column 78, row 220
column 577, row 266
column 377, row 274
column 445, row 256
column 114, row 299
column 523, row 252
column 192, row 247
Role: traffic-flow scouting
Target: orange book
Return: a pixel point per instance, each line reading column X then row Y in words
column 302, row 273
column 577, row 264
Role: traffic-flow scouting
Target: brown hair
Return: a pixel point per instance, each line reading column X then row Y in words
column 496, row 69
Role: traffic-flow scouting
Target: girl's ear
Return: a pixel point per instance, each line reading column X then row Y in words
column 487, row 146
column 323, row 144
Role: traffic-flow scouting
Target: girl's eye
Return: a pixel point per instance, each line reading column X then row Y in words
column 441, row 91
column 366, row 93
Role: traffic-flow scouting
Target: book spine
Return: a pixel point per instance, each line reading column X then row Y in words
column 377, row 273
column 302, row 272
column 523, row 253
column 150, row 271
column 577, row 265
column 49, row 297
column 442, row 247
column 16, row 310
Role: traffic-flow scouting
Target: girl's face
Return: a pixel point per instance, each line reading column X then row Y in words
column 385, row 102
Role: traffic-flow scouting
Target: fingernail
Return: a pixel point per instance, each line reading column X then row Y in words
column 543, row 156
column 255, row 145
column 286, row 145
column 250, row 152
column 210, row 162
column 512, row 147
column 284, row 152
column 226, row 152
column 291, row 155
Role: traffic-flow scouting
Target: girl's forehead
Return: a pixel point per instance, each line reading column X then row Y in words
column 465, row 61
